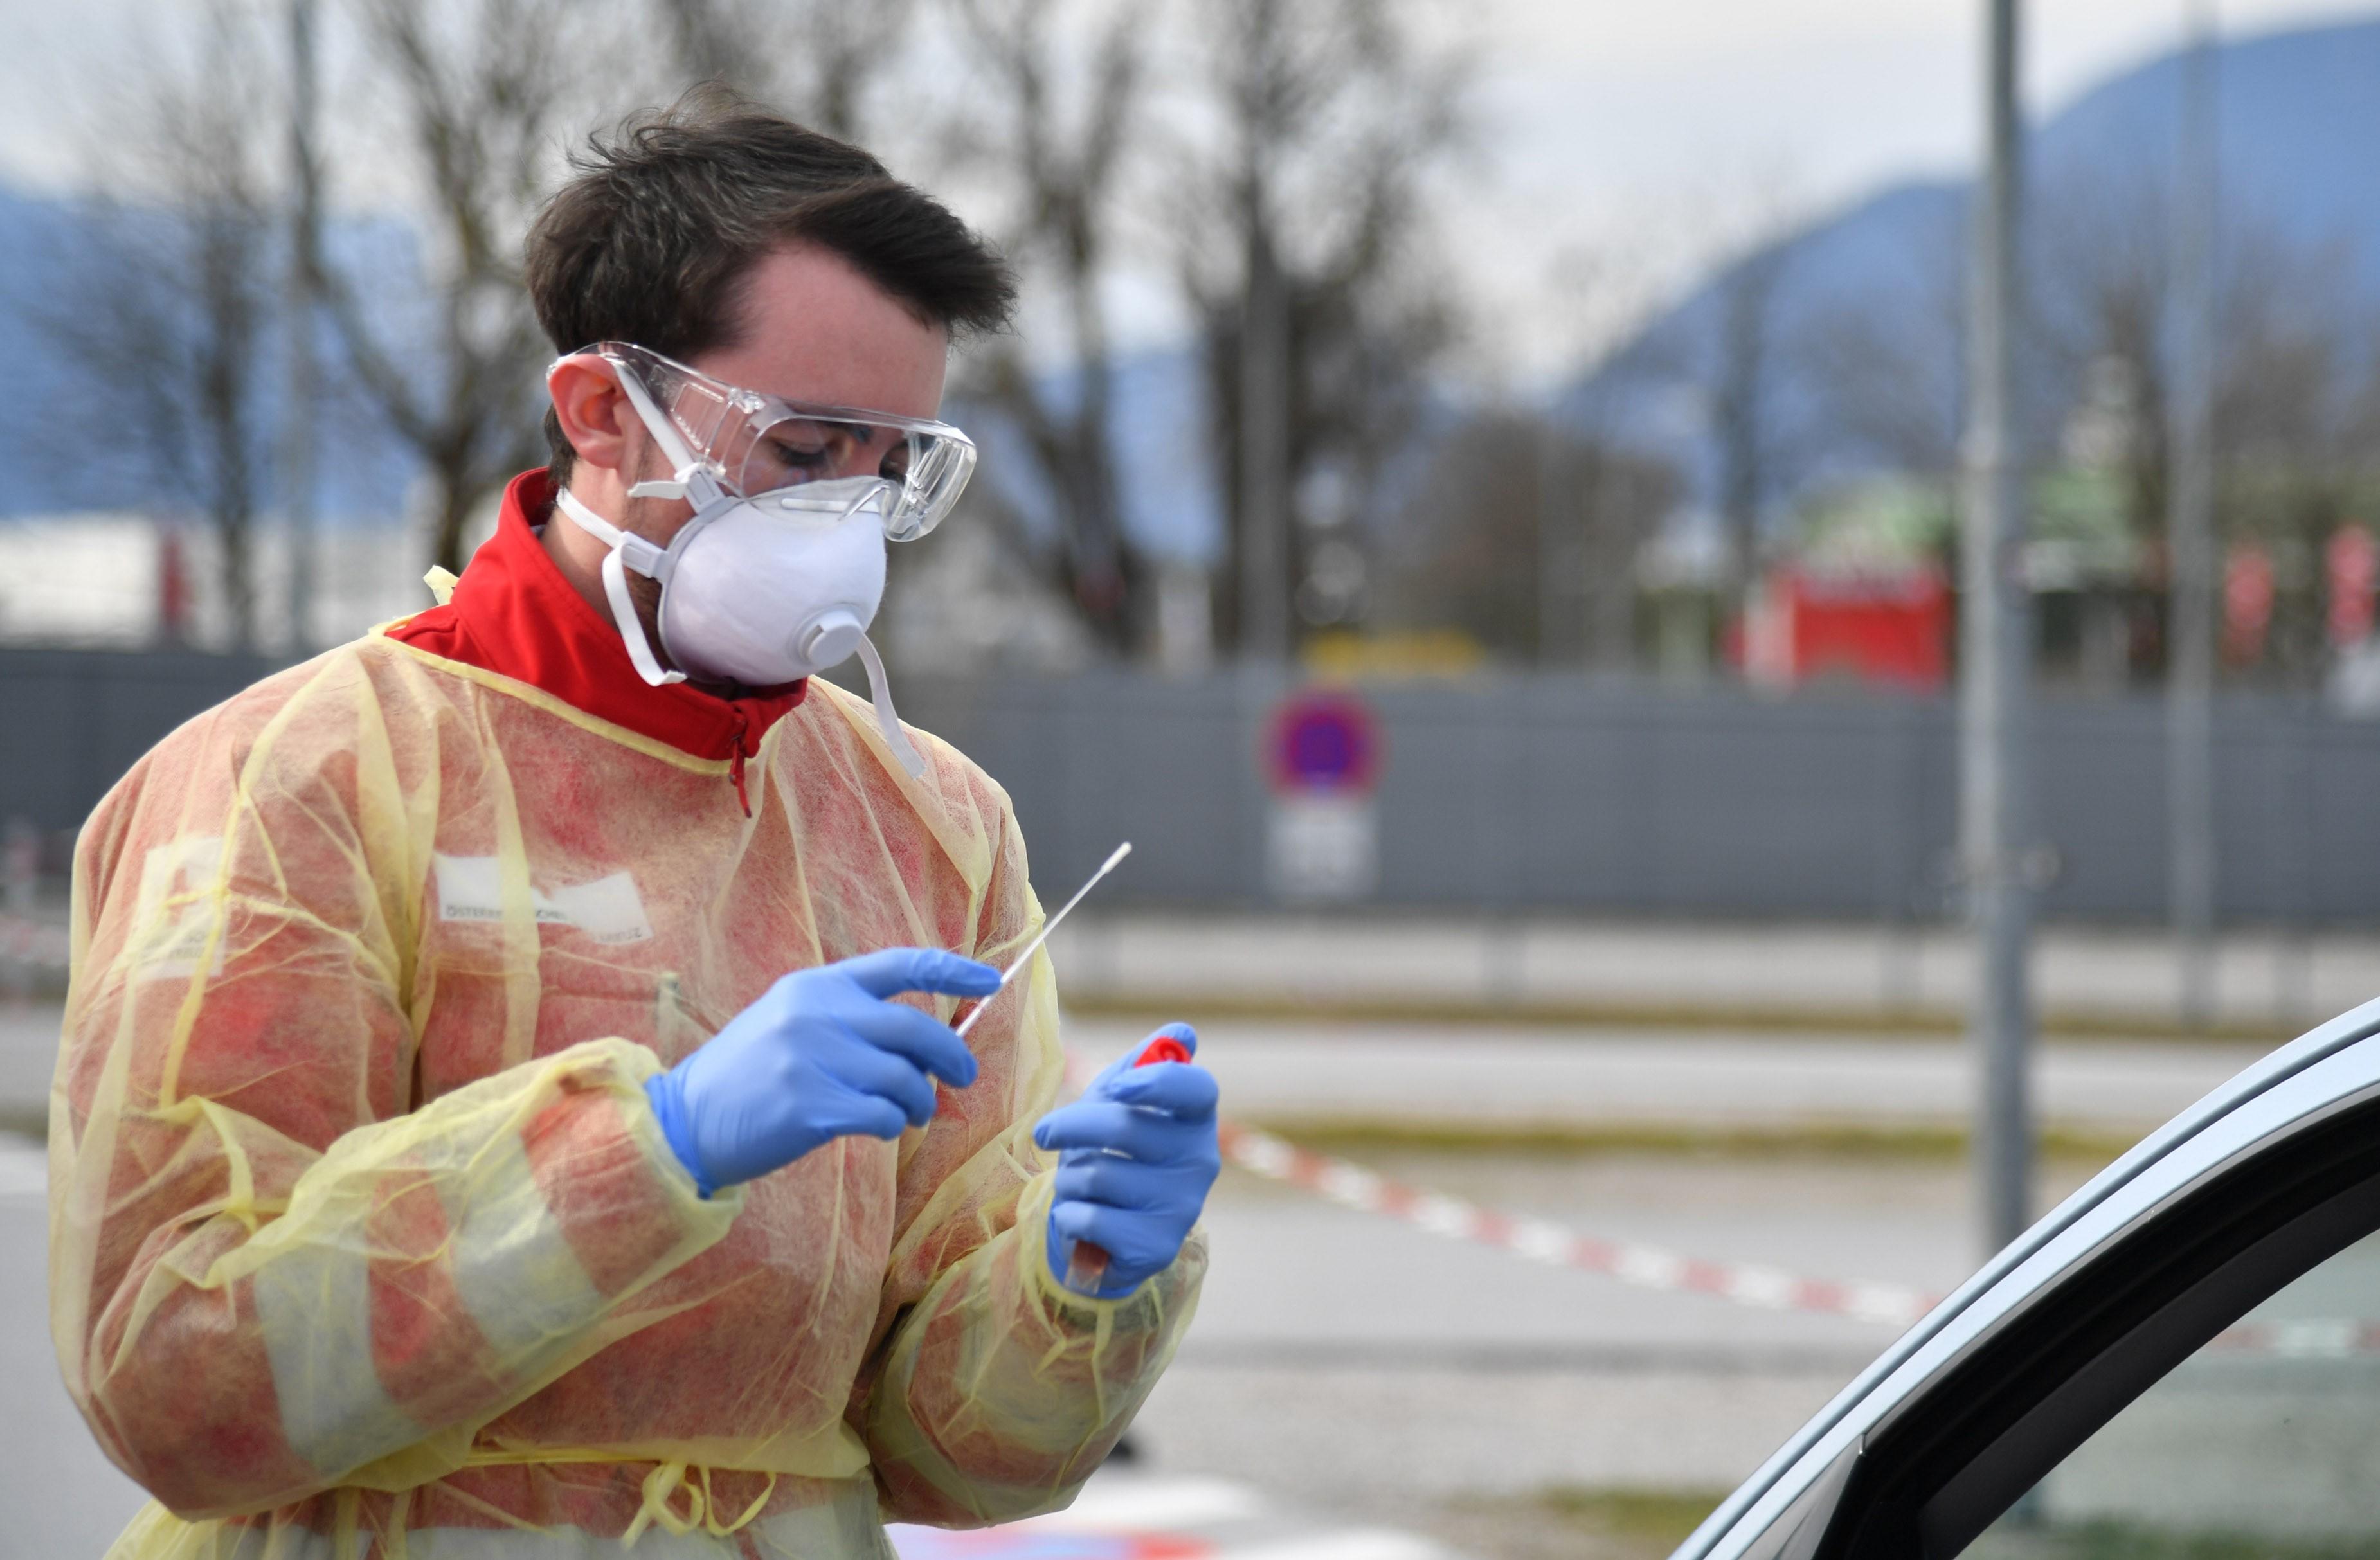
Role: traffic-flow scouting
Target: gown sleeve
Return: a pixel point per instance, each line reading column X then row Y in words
column 269, row 1274
column 996, row 1391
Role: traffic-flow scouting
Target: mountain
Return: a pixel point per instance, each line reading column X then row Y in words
column 1161, row 442
column 1878, row 282
column 1845, row 333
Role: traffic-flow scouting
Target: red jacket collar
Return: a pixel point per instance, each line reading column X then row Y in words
column 513, row 614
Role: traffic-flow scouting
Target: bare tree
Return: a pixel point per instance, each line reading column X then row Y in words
column 2297, row 447
column 1737, row 353
column 1622, row 499
column 1502, row 491
column 1742, row 397
column 163, row 308
column 1885, row 375
column 483, row 92
column 2103, row 308
column 2294, row 332
column 816, row 59
column 1060, row 147
column 2293, row 459
column 715, row 40
column 1300, row 236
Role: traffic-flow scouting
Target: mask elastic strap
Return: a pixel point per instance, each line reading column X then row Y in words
column 880, row 689
column 615, row 584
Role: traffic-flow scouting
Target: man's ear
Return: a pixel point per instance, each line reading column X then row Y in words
column 594, row 411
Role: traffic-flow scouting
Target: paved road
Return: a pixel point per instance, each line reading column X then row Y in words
column 1365, row 1368
column 63, row 1500
column 1780, row 970
column 1380, row 1368
column 1356, row 1367
column 1373, row 1072
column 1124, row 1513
column 29, row 1044
column 1422, row 1073
column 1795, row 972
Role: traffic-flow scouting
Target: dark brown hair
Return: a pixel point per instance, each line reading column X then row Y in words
column 651, row 239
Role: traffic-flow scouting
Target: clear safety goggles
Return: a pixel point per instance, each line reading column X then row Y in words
column 754, row 443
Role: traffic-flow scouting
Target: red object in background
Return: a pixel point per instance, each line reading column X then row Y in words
column 2247, row 603
column 1873, row 628
column 173, row 588
column 2351, row 563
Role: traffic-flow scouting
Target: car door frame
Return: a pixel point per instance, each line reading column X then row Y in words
column 2096, row 1302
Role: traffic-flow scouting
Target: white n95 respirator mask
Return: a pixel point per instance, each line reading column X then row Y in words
column 783, row 585
column 780, row 570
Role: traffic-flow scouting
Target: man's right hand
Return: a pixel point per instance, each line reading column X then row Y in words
column 823, row 1055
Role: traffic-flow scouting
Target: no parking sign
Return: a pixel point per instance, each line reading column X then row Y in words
column 1322, row 755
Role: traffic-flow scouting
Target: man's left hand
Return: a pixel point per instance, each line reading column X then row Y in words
column 1136, row 1155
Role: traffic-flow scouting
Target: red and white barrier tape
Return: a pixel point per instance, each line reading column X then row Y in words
column 1648, row 1267
column 2305, row 1337
column 1645, row 1266
column 1350, row 1185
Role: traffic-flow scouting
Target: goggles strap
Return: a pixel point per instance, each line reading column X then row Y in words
column 616, row 584
column 674, row 449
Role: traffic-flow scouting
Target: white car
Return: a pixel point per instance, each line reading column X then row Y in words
column 2182, row 1360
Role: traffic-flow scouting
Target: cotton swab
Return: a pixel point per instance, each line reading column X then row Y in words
column 1047, row 928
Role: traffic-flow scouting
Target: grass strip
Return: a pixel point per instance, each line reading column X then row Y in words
column 1881, row 1022
column 1355, row 1137
column 1650, row 1516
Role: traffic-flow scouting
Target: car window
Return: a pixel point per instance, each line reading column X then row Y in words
column 2264, row 1444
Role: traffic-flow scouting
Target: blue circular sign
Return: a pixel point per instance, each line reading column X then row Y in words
column 1326, row 743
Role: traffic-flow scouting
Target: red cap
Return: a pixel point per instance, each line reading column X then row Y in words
column 1163, row 1048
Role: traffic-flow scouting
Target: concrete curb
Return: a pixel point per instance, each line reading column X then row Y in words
column 1879, row 1022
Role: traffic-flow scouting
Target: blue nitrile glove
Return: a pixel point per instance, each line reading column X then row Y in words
column 1138, row 1153
column 821, row 1056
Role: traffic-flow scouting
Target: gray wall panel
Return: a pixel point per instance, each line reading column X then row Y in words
column 1513, row 794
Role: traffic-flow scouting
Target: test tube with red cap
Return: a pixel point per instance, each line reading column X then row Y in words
column 1086, row 1264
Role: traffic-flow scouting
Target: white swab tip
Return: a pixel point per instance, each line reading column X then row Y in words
column 1121, row 851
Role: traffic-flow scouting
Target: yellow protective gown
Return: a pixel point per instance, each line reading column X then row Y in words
column 364, row 1239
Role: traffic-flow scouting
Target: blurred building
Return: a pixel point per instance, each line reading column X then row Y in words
column 123, row 580
column 1803, row 627
column 1862, row 598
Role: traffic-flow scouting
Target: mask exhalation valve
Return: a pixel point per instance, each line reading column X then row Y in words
column 831, row 638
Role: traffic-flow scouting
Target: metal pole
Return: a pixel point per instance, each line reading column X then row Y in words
column 2190, row 613
column 1560, row 579
column 1265, row 585
column 301, row 384
column 1994, row 662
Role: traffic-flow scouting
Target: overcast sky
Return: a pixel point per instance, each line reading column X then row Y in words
column 1624, row 139
column 1643, row 134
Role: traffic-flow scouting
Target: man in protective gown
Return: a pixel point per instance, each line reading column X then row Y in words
column 508, row 1103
